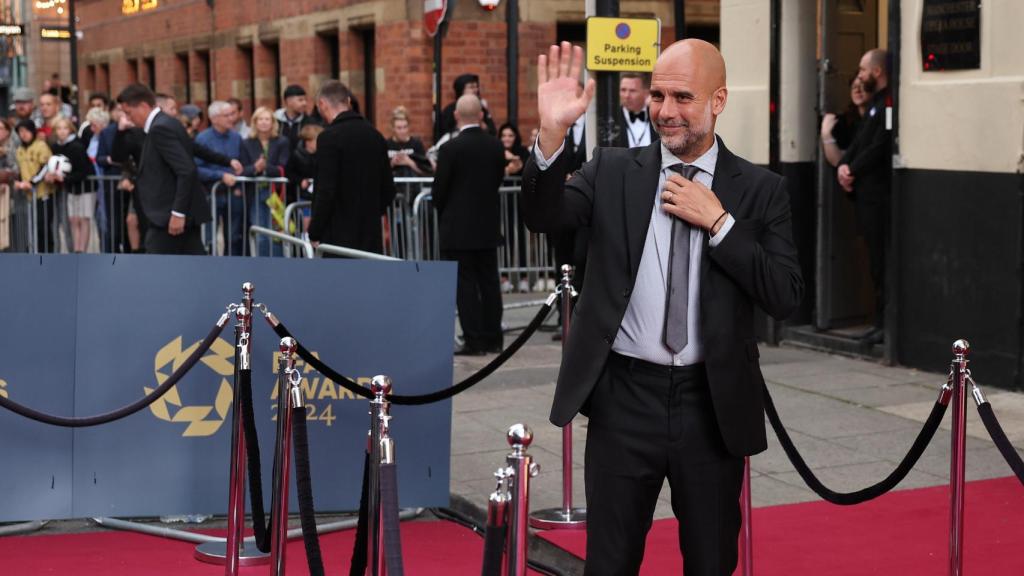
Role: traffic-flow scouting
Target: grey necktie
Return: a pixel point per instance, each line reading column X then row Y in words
column 678, row 292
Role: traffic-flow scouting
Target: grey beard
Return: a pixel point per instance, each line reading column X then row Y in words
column 688, row 144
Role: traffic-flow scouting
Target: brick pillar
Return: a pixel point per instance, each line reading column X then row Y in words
column 102, row 80
column 197, row 77
column 263, row 58
column 230, row 74
column 178, row 76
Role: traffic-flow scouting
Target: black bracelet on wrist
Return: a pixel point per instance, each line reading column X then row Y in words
column 717, row 220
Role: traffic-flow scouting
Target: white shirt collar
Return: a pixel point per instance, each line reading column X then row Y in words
column 705, row 162
column 149, row 119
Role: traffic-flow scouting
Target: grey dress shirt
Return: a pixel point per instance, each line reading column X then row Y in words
column 640, row 334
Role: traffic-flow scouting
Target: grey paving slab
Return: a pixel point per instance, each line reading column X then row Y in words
column 889, row 394
column 852, row 477
column 818, row 453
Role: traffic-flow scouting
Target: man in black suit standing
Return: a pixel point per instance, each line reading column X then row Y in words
column 354, row 186
column 470, row 169
column 662, row 354
column 167, row 184
column 865, row 173
column 634, row 126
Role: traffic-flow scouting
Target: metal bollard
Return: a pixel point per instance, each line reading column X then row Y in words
column 233, row 552
column 566, row 517
column 748, row 527
column 958, row 456
column 521, row 469
column 382, row 450
column 289, row 395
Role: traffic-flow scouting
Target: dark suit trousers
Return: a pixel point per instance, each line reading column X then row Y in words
column 649, row 422
column 873, row 220
column 158, row 241
column 478, row 297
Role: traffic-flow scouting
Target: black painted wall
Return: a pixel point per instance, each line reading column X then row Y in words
column 958, row 274
column 800, row 181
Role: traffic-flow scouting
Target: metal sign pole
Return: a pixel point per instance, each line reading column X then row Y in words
column 748, row 527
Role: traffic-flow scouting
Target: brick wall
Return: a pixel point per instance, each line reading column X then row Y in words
column 238, row 35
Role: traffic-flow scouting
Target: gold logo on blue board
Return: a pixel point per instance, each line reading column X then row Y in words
column 200, row 419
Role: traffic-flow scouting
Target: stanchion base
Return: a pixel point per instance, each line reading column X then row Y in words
column 559, row 519
column 216, row 553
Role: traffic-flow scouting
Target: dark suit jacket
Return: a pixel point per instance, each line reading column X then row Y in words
column 754, row 265
column 353, row 184
column 622, row 129
column 870, row 154
column 277, row 157
column 167, row 178
column 470, row 169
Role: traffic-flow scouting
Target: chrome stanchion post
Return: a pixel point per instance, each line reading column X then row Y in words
column 566, row 517
column 958, row 457
column 289, row 395
column 233, row 552
column 522, row 468
column 748, row 527
column 381, row 446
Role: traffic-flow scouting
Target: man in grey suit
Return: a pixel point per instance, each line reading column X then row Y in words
column 167, row 185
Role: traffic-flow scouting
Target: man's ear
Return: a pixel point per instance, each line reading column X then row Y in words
column 718, row 100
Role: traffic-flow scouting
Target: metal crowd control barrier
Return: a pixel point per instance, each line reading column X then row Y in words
column 566, row 517
column 344, row 252
column 257, row 232
column 233, row 553
column 244, row 204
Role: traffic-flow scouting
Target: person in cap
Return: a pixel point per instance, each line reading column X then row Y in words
column 292, row 116
column 24, row 104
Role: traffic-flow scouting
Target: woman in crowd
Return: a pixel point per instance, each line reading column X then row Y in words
column 81, row 200
column 837, row 132
column 302, row 167
column 515, row 153
column 264, row 154
column 32, row 155
column 97, row 119
column 407, row 153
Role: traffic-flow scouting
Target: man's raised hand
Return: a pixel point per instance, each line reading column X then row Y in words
column 559, row 98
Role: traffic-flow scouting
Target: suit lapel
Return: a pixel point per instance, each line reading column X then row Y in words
column 726, row 187
column 638, row 187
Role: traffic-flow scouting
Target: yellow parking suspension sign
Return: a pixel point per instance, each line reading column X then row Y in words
column 623, row 44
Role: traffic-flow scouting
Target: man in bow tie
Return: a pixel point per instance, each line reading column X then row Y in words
column 634, row 127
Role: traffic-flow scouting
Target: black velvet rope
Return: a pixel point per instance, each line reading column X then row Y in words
column 494, row 546
column 865, row 494
column 995, row 430
column 417, row 400
column 358, row 564
column 128, row 410
column 304, row 487
column 389, row 520
column 260, row 523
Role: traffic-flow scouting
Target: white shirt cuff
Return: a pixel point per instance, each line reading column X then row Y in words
column 717, row 238
column 545, row 163
column 180, row 215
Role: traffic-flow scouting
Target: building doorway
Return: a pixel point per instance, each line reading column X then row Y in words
column 844, row 306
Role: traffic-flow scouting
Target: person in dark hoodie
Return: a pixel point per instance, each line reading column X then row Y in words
column 466, row 84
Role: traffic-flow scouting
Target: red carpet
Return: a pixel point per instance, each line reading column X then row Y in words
column 903, row 533
column 429, row 547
